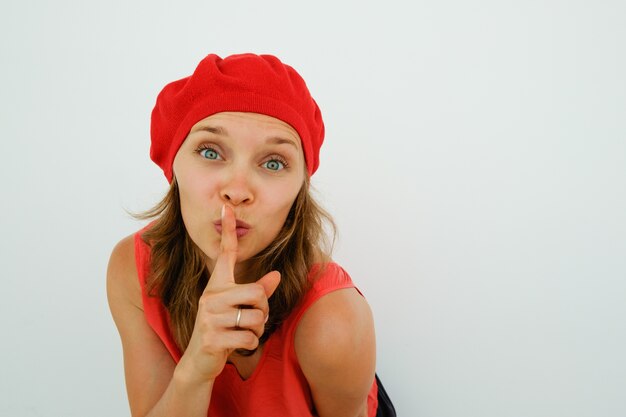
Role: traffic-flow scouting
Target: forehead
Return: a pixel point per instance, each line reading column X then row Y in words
column 226, row 123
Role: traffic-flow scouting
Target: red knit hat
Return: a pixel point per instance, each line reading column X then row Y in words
column 245, row 83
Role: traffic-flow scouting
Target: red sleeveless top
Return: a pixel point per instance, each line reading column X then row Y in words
column 277, row 387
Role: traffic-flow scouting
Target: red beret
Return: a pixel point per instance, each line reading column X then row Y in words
column 245, row 83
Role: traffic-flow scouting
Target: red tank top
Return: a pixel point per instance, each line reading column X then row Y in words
column 277, row 387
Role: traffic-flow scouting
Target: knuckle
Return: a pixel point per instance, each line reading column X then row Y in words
column 257, row 291
column 250, row 341
column 205, row 300
column 206, row 305
column 257, row 317
column 259, row 330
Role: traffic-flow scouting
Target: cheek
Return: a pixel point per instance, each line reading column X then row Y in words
column 282, row 201
column 195, row 197
column 197, row 215
column 196, row 189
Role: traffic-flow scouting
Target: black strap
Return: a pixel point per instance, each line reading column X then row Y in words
column 385, row 406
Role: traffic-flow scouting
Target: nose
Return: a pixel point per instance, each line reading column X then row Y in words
column 236, row 188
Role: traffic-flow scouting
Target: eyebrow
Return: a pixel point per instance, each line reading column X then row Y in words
column 219, row 130
column 277, row 140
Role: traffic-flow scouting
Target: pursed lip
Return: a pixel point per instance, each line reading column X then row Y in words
column 241, row 227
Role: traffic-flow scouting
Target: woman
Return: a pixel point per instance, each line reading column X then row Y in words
column 227, row 304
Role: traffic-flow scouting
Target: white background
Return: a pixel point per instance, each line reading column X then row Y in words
column 475, row 161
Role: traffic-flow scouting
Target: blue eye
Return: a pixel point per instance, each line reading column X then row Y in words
column 274, row 165
column 209, row 153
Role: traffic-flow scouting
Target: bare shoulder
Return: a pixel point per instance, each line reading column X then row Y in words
column 336, row 348
column 122, row 281
column 342, row 317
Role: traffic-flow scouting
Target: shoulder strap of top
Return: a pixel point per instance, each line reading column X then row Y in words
column 154, row 311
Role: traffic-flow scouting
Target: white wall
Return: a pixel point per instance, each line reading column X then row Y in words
column 475, row 162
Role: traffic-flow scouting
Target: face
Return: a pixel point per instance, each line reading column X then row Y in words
column 252, row 162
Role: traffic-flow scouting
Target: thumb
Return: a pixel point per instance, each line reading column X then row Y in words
column 270, row 282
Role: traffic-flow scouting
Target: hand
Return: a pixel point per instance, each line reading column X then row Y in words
column 216, row 334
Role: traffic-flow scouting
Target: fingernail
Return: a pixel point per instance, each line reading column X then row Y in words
column 267, row 318
column 223, row 210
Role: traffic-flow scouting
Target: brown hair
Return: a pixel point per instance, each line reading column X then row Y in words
column 178, row 272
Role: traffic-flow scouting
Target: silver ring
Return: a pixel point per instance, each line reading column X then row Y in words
column 238, row 318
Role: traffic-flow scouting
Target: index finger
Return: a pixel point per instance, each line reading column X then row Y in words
column 225, row 264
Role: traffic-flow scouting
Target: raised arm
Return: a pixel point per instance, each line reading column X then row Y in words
column 152, row 387
column 156, row 386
